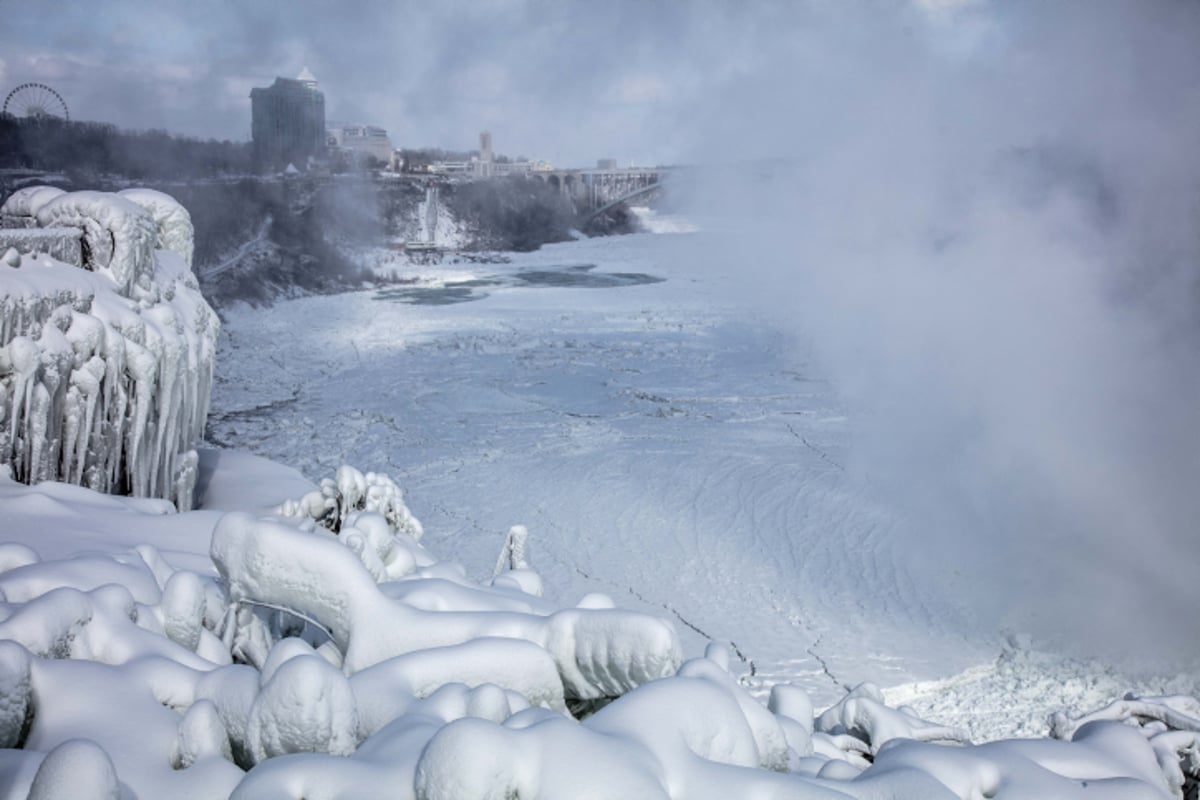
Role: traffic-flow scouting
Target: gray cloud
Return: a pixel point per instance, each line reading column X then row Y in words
column 571, row 81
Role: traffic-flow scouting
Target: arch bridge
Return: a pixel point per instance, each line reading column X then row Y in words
column 595, row 191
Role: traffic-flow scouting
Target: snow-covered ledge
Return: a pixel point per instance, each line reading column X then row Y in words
column 105, row 371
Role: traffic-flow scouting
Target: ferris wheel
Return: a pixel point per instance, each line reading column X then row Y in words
column 36, row 101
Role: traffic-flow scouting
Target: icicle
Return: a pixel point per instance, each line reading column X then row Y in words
column 91, row 386
column 71, row 434
column 39, row 418
column 24, row 360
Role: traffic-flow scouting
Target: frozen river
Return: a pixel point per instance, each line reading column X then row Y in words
column 664, row 445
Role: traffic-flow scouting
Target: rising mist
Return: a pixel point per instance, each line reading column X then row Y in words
column 984, row 219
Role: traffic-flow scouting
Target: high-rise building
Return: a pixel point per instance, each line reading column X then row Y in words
column 287, row 122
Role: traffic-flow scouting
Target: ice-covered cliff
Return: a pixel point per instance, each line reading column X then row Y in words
column 106, row 364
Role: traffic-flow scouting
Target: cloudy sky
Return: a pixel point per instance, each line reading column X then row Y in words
column 566, row 81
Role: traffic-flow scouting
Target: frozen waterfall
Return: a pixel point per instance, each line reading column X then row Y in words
column 106, row 364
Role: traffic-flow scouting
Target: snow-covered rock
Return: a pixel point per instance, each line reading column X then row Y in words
column 106, row 371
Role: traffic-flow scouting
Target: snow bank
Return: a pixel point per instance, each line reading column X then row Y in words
column 371, row 669
column 105, row 372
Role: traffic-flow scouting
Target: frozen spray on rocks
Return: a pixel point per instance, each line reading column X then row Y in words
column 106, row 344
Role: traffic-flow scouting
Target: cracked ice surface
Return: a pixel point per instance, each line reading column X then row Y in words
column 105, row 373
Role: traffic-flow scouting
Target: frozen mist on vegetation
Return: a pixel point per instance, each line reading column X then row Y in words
column 986, row 229
column 106, row 364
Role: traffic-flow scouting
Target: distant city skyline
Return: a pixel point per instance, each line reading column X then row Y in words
column 568, row 82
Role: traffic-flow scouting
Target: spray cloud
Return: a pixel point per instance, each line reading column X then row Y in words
column 984, row 218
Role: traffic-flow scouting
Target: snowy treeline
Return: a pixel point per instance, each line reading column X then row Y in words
column 314, row 664
column 105, row 371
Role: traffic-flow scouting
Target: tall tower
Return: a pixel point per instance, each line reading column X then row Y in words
column 287, row 122
column 485, row 147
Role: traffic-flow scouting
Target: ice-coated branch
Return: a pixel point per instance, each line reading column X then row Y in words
column 512, row 555
column 1171, row 723
column 863, row 714
column 1142, row 710
column 351, row 492
column 598, row 652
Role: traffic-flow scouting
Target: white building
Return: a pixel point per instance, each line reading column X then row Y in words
column 362, row 140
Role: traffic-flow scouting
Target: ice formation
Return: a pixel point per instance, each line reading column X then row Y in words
column 356, row 664
column 171, row 220
column 351, row 491
column 598, row 652
column 21, row 207
column 61, row 244
column 105, row 372
column 119, row 236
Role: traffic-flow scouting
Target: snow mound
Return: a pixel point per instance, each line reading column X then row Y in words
column 306, row 707
column 105, row 372
column 78, row 768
